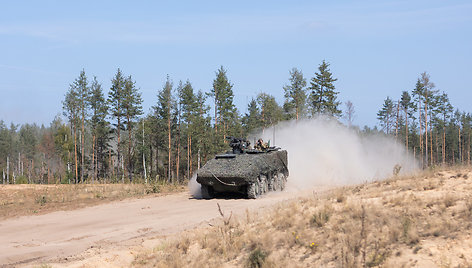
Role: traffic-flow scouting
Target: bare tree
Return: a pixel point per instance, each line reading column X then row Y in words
column 349, row 113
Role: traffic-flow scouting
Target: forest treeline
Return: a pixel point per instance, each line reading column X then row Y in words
column 104, row 136
column 427, row 123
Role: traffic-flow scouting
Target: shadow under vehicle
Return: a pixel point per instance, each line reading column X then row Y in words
column 246, row 171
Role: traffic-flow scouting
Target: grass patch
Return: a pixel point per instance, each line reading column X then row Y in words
column 369, row 225
column 27, row 199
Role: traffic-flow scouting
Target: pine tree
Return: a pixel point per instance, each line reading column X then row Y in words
column 418, row 93
column 323, row 98
column 386, row 114
column 252, row 119
column 178, row 116
column 189, row 114
column 72, row 111
column 295, row 95
column 64, row 146
column 132, row 108
column 164, row 111
column 407, row 108
column 99, row 127
column 222, row 94
column 203, row 139
column 271, row 112
column 115, row 102
column 47, row 149
column 28, row 142
column 425, row 87
column 445, row 110
column 83, row 94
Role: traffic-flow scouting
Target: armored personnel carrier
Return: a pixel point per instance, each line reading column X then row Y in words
column 251, row 172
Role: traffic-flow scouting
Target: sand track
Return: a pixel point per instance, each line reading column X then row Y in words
column 59, row 236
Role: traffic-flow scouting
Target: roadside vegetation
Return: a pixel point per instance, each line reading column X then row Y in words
column 422, row 220
column 104, row 134
column 33, row 199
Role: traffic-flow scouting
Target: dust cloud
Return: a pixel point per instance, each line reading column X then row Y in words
column 322, row 151
column 194, row 187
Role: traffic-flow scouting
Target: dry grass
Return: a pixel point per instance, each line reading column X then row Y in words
column 423, row 220
column 29, row 199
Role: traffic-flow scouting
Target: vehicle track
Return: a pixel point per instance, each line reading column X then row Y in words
column 61, row 235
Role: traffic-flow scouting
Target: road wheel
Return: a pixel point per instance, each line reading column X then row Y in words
column 253, row 190
column 264, row 184
column 279, row 181
column 207, row 192
column 272, row 182
column 283, row 180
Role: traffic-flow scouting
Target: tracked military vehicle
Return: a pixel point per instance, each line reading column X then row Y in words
column 251, row 172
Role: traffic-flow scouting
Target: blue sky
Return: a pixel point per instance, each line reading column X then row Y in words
column 376, row 48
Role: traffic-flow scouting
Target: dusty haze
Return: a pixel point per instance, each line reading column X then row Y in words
column 322, row 151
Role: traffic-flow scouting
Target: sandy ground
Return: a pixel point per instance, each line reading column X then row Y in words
column 99, row 232
column 37, row 199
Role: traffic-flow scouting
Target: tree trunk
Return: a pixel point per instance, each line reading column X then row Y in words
column 216, row 113
column 110, row 166
column 93, row 158
column 129, row 149
column 431, row 144
column 29, row 172
column 224, row 131
column 118, row 126
column 82, row 147
column 406, row 129
column 177, row 169
column 151, row 168
column 157, row 160
column 8, row 169
column 178, row 162
column 169, row 147
column 198, row 158
column 437, row 148
column 460, row 149
column 47, row 164
column 444, row 144
column 144, row 158
column 97, row 166
column 468, row 151
column 75, row 156
column 188, row 155
column 123, row 169
column 396, row 125
column 426, row 130
column 421, row 133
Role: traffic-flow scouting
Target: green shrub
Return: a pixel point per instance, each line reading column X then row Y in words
column 42, row 200
column 257, row 258
column 320, row 218
column 21, row 180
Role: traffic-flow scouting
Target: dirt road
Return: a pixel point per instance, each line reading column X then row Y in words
column 59, row 236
